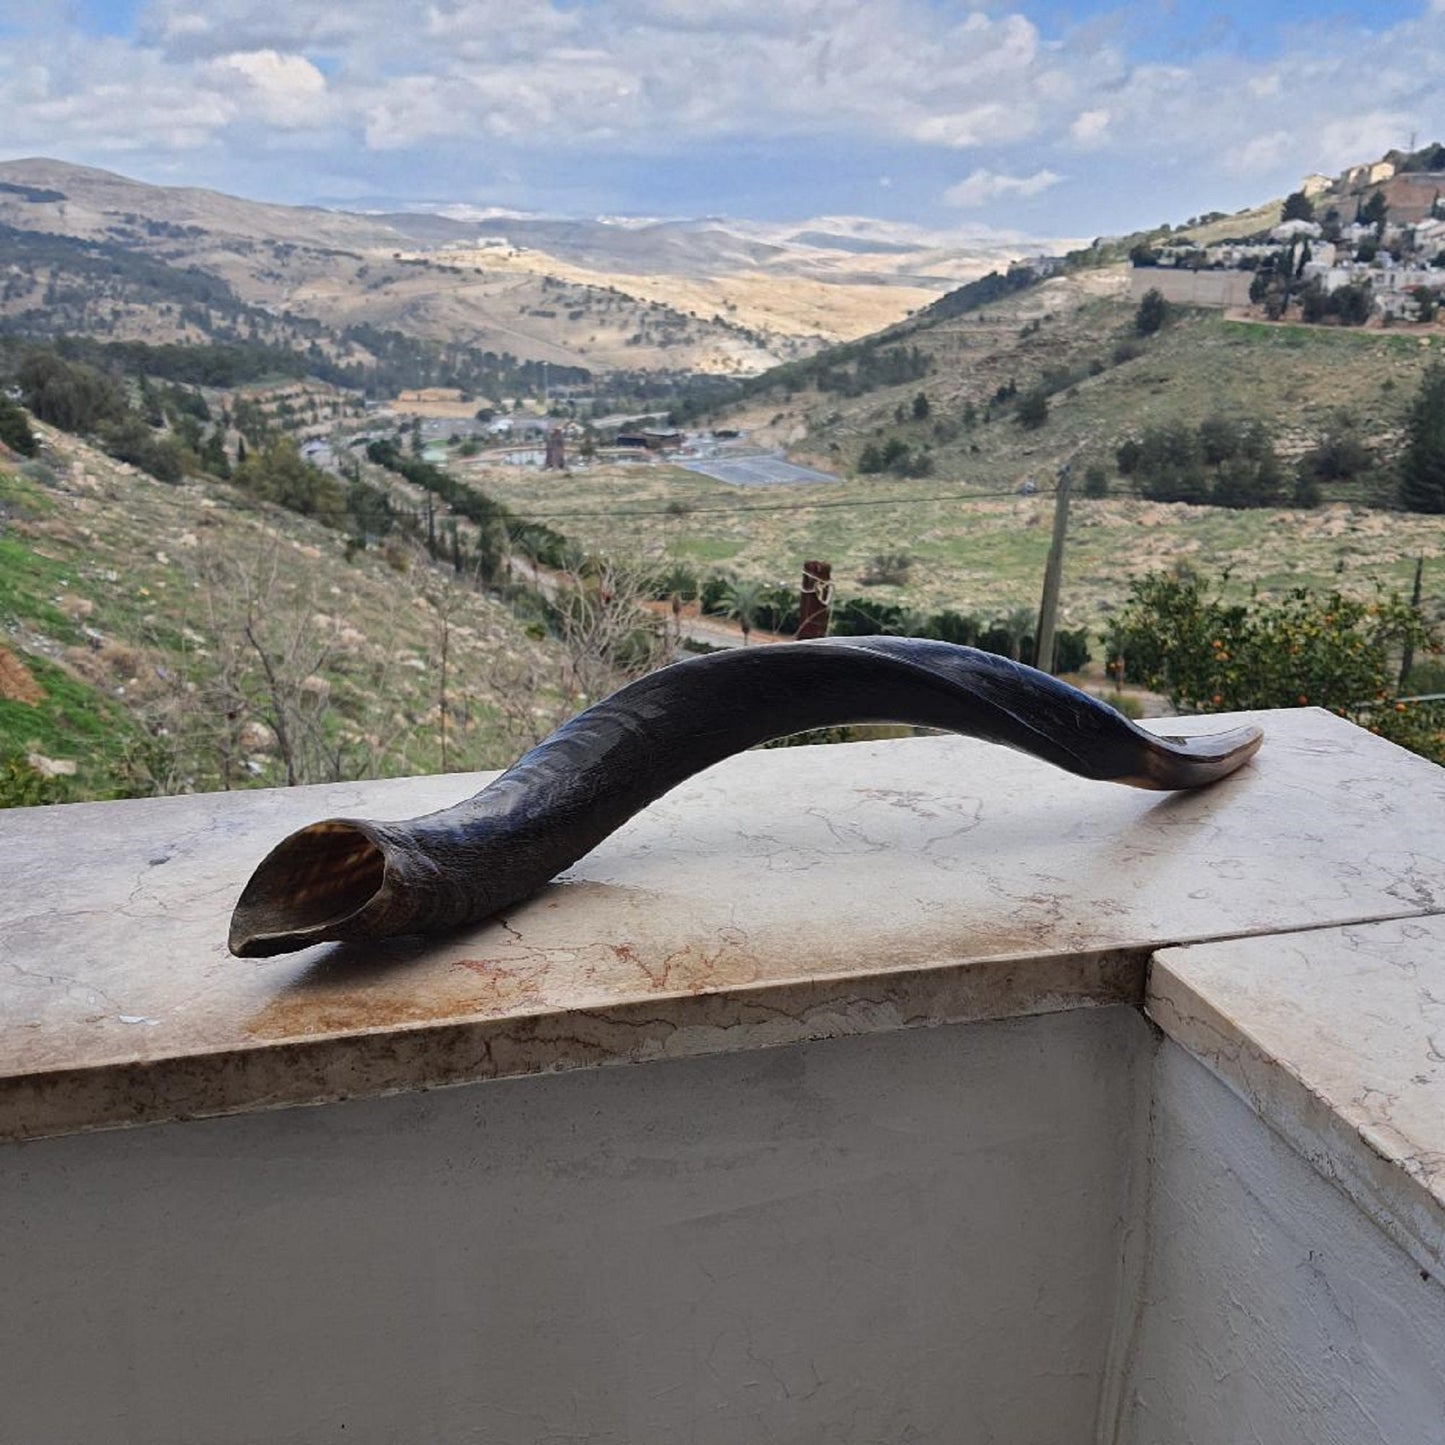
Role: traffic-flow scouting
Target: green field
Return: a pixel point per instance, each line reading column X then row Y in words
column 985, row 555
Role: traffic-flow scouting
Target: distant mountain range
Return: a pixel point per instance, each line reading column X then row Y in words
column 613, row 293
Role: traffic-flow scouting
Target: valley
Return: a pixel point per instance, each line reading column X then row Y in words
column 674, row 296
column 322, row 544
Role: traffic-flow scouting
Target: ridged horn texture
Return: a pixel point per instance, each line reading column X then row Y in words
column 350, row 880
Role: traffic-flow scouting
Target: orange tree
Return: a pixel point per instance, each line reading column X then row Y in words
column 1308, row 649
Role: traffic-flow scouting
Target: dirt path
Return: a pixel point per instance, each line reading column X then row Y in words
column 16, row 683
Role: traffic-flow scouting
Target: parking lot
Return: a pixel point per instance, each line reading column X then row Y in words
column 764, row 470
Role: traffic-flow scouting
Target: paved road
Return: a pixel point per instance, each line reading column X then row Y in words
column 765, row 470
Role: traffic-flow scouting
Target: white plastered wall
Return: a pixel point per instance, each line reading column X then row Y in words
column 904, row 1237
column 1271, row 1311
column 1049, row 1231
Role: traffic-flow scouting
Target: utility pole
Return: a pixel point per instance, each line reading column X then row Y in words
column 1053, row 573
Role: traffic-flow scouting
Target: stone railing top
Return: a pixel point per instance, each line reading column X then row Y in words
column 783, row 895
column 1337, row 1037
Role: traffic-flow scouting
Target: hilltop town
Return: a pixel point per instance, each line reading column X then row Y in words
column 1367, row 244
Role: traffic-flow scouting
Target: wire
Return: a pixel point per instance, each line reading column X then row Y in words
column 685, row 509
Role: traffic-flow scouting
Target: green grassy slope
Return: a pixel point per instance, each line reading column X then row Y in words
column 123, row 604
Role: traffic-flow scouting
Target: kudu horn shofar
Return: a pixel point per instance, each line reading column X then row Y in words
column 351, row 880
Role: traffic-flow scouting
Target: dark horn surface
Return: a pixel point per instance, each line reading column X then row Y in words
column 351, row 880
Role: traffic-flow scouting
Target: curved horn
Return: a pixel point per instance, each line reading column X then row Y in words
column 348, row 879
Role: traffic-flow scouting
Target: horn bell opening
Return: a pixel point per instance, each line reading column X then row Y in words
column 308, row 886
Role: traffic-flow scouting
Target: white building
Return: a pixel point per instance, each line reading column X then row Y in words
column 1293, row 230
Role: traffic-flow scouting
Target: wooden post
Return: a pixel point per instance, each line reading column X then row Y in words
column 1407, row 656
column 814, row 600
column 1053, row 574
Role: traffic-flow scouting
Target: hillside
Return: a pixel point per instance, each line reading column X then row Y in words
column 164, row 263
column 980, row 546
column 159, row 638
column 1075, row 336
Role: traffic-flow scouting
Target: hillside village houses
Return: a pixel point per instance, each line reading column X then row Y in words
column 1396, row 253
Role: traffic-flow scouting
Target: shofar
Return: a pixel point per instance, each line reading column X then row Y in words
column 351, row 880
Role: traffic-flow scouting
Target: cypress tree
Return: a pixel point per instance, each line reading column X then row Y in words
column 1422, row 467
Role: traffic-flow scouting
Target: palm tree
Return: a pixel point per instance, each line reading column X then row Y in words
column 744, row 600
column 1017, row 627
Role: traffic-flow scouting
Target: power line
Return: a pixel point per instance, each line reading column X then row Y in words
column 687, row 510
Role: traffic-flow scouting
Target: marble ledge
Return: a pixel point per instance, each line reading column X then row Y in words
column 1336, row 1038
column 784, row 895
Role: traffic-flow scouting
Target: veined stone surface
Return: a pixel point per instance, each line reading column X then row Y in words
column 1337, row 1038
column 783, row 895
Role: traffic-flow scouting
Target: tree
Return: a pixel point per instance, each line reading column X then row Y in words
column 131, row 440
column 1422, row 466
column 1153, row 312
column 606, row 637
column 1298, row 207
column 1033, row 409
column 213, row 455
column 743, row 600
column 1375, row 212
column 921, row 407
column 1016, row 627
column 15, row 429
column 1340, row 455
column 1229, row 463
column 1353, row 303
column 1307, row 649
column 279, row 474
column 1314, row 302
column 256, row 691
column 73, row 397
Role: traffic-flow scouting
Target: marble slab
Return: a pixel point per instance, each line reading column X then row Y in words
column 1337, row 1039
column 786, row 894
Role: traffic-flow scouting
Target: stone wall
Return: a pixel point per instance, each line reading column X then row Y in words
column 1191, row 288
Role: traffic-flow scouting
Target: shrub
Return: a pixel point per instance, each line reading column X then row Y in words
column 1153, row 312
column 1316, row 649
column 957, row 627
column 131, row 440
column 887, row 569
column 1033, row 410
column 15, row 429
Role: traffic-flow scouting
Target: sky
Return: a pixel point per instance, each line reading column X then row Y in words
column 1049, row 118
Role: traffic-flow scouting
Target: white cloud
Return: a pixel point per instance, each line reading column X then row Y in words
column 988, row 124
column 1091, row 127
column 984, row 186
column 1362, row 137
column 1260, row 153
column 533, row 84
column 286, row 91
